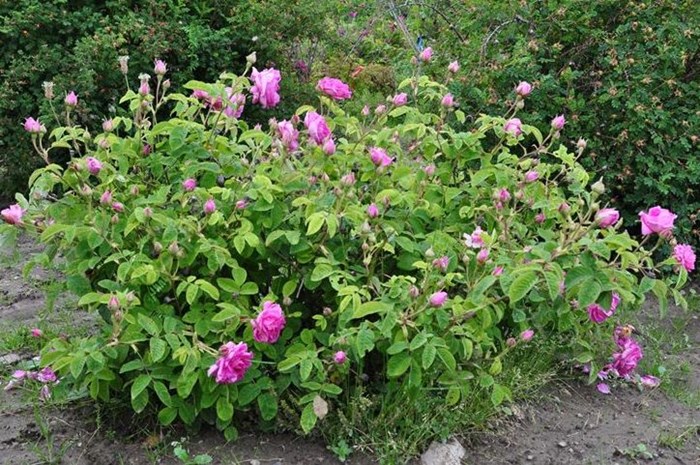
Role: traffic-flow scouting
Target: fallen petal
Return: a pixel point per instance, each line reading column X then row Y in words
column 603, row 388
column 649, row 381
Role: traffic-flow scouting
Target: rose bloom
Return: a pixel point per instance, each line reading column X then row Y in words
column 372, row 211
column 626, row 361
column 318, row 129
column 684, row 255
column 426, row 54
column 379, row 156
column 233, row 363
column 339, row 357
column 269, row 323
column 657, row 220
column 523, row 89
column 266, row 86
column 527, row 335
column 607, row 217
column 71, row 99
column 558, row 122
column 236, row 103
column 189, row 184
column 531, row 176
column 289, row 135
column 474, row 240
column 438, row 299
column 448, row 101
column 334, row 88
column 329, row 146
column 442, row 263
column 598, row 314
column 93, row 165
column 400, row 99
column 513, row 126
column 32, row 125
column 209, row 206
column 482, row 256
column 160, row 67
column 12, row 214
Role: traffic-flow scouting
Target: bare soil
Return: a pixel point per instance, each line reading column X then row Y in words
column 568, row 423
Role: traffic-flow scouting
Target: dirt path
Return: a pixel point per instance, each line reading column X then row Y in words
column 568, row 423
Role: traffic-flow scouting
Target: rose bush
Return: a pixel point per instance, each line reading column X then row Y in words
column 235, row 267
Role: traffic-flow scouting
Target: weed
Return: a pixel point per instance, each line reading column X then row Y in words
column 640, row 451
column 46, row 449
column 676, row 440
column 184, row 456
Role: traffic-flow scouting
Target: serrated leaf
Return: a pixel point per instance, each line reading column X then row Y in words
column 139, row 385
column 158, row 347
column 162, row 393
column 267, row 403
column 308, row 418
column 447, row 358
column 147, row 324
column 428, row 357
column 224, row 409
column 167, row 415
column 369, row 308
column 521, row 285
column 398, row 364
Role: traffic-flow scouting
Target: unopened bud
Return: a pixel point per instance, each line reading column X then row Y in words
column 174, row 248
column 148, row 212
column 327, row 311
column 134, row 190
column 115, row 219
column 414, row 292
column 251, row 59
column 511, row 342
column 130, row 296
column 166, row 84
column 113, row 304
column 365, row 246
column 595, row 207
column 581, row 144
column 157, row 248
column 124, row 64
column 287, row 301
column 520, row 104
column 430, row 253
column 598, row 187
column 366, row 228
column 48, row 90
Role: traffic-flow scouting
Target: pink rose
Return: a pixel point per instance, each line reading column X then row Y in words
column 438, row 299
column 442, row 263
column 513, row 126
column 334, row 88
column 107, row 125
column 160, row 67
column 329, row 146
column 289, row 135
column 233, row 363
column 365, row 110
column 498, row 271
column 348, row 179
column 379, row 156
column 380, row 109
column 340, row 357
column 474, row 240
column 209, row 206
column 269, row 323
column 684, row 255
column 236, row 103
column 13, row 214
column 531, row 176
column 503, row 195
column 71, row 99
column 523, row 89
column 36, row 332
column 426, row 54
column 32, row 125
column 93, row 165
column 118, row 207
column 626, row 361
column 429, row 170
column 453, row 67
column 399, row 99
column 558, row 122
column 657, row 220
column 607, row 217
column 106, row 197
column 539, row 218
column 482, row 256
column 241, row 204
column 527, row 335
column 189, row 184
column 144, row 89
column 372, row 211
column 448, row 101
column 266, row 86
column 46, row 375
column 317, row 127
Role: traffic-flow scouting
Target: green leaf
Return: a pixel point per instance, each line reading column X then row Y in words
column 418, row 341
column 208, row 288
column 499, row 394
column 139, row 402
column 224, row 409
column 369, row 308
column 227, row 313
column 321, row 271
column 308, row 418
column 482, row 286
column 249, row 288
column 139, row 385
column 453, row 395
column 247, row 394
column 521, row 286
column 148, row 324
column 428, row 356
column 162, row 393
column 589, row 292
column 447, row 358
column 398, row 364
column 167, row 415
column 158, row 347
column 315, row 222
column 267, row 403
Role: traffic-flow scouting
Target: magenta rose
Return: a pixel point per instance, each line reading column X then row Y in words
column 607, row 217
column 93, row 165
column 399, row 99
column 657, row 220
column 527, row 335
column 438, row 299
column 513, row 126
column 684, row 255
column 231, row 366
column 289, row 135
column 266, row 86
column 317, row 127
column 523, row 88
column 558, row 122
column 340, row 357
column 379, row 157
column 32, row 125
column 625, row 362
column 334, row 88
column 269, row 323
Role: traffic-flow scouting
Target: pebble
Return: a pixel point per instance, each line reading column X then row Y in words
column 531, row 457
column 9, row 359
column 450, row 453
column 562, row 444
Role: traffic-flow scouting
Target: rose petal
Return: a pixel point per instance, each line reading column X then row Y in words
column 603, row 388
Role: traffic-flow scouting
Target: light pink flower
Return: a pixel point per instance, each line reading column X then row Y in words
column 539, row 218
column 269, row 323
column 442, row 263
column 189, row 184
column 558, row 122
column 513, row 126
column 340, row 357
column 44, row 393
column 118, row 207
column 334, row 88
column 400, row 99
column 348, row 179
column 71, row 99
column 482, row 256
column 107, row 125
column 144, row 89
column 266, row 86
column 231, row 366
column 684, row 255
column 503, row 195
column 531, row 176
column 498, row 271
column 13, row 214
column 372, row 211
column 241, row 204
column 379, row 156
column 209, row 206
column 113, row 303
column 426, row 54
column 32, row 125
column 329, row 146
column 289, row 135
column 36, row 332
column 317, row 127
column 657, row 220
column 475, row 239
column 160, row 68
column 523, row 89
column 365, row 110
column 429, row 169
column 448, row 101
column 380, row 109
column 453, row 67
column 236, row 104
column 526, row 335
column 438, row 299
column 511, row 342
column 93, row 165
column 106, row 197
